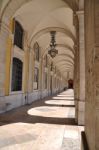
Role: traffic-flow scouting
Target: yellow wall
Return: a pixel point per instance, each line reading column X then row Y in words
column 26, row 65
column 8, row 59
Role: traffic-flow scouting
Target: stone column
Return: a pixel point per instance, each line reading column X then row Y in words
column 41, row 82
column 48, row 79
column 81, row 101
column 31, row 68
column 4, row 34
column 76, row 67
column 92, row 73
column 0, row 5
column 4, row 66
column 76, row 81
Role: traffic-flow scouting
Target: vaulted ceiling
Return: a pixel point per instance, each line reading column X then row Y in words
column 39, row 17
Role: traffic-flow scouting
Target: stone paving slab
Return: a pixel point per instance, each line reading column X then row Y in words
column 41, row 126
column 72, row 138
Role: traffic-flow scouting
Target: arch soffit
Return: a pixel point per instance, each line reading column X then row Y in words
column 18, row 4
column 66, row 70
column 64, row 66
column 65, row 31
column 65, row 46
column 62, row 61
column 64, row 56
column 61, row 58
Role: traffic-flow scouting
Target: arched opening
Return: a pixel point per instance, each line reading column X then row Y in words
column 38, row 18
column 70, row 84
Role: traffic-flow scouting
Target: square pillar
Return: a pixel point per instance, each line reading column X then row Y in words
column 81, row 101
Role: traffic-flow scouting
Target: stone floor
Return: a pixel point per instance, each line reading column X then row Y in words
column 47, row 124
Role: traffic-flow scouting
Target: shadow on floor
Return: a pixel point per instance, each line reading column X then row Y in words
column 21, row 115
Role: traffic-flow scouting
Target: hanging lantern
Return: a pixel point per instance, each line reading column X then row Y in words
column 52, row 51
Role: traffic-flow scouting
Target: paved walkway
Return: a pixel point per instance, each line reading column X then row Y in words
column 47, row 124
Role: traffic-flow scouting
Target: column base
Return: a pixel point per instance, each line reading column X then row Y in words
column 84, row 144
column 80, row 112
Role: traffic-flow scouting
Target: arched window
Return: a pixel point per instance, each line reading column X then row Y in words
column 17, row 69
column 36, row 51
column 18, row 35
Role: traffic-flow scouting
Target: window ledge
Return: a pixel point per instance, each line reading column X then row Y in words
column 16, row 92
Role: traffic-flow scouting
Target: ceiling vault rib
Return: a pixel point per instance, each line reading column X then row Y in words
column 67, row 32
column 38, row 23
column 67, row 47
column 59, row 55
column 64, row 60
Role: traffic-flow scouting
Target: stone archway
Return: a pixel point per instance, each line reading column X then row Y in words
column 10, row 9
column 67, row 32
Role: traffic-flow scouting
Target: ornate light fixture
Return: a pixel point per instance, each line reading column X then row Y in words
column 52, row 52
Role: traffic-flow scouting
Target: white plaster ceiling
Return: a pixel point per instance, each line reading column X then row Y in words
column 42, row 16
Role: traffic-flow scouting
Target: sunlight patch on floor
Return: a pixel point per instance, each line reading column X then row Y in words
column 71, row 134
column 65, row 95
column 63, row 98
column 58, row 102
column 46, row 111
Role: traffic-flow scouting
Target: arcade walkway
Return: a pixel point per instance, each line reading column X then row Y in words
column 47, row 124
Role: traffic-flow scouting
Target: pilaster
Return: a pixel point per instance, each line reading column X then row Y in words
column 5, row 44
column 81, row 100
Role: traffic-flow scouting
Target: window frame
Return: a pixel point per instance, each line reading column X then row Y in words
column 13, row 78
column 18, row 35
